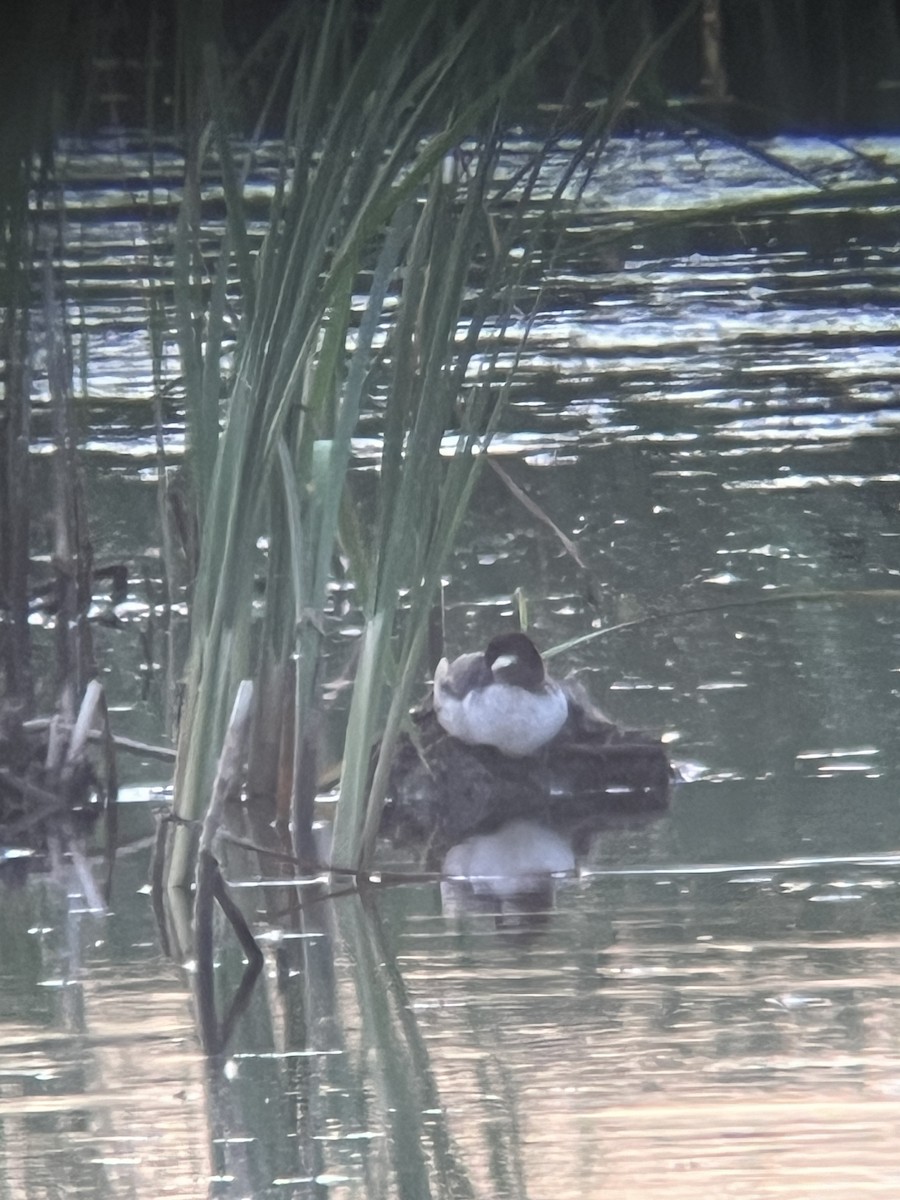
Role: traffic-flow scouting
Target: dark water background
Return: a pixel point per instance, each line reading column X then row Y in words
column 709, row 407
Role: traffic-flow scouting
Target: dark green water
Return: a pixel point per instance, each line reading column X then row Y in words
column 711, row 1006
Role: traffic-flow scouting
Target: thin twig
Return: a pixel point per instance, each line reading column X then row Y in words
column 536, row 511
column 758, row 602
column 27, row 789
column 166, row 753
column 251, row 949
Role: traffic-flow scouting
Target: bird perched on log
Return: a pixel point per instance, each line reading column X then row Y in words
column 502, row 697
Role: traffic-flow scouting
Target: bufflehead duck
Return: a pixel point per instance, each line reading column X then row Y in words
column 500, row 698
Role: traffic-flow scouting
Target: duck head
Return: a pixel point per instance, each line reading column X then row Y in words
column 513, row 658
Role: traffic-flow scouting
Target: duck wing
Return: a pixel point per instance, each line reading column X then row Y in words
column 465, row 674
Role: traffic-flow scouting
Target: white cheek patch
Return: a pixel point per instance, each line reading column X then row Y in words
column 504, row 660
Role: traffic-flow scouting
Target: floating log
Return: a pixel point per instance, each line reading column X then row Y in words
column 594, row 773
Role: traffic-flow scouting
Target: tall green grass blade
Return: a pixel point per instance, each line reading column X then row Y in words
column 359, row 206
column 232, row 183
column 423, row 405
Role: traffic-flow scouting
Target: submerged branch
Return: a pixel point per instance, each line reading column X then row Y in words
column 146, row 749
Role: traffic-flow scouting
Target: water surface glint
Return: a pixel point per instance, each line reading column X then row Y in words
column 710, row 1003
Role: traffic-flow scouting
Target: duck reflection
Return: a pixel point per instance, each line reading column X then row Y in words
column 512, row 872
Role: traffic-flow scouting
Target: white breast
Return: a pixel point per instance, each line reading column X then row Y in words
column 517, row 722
